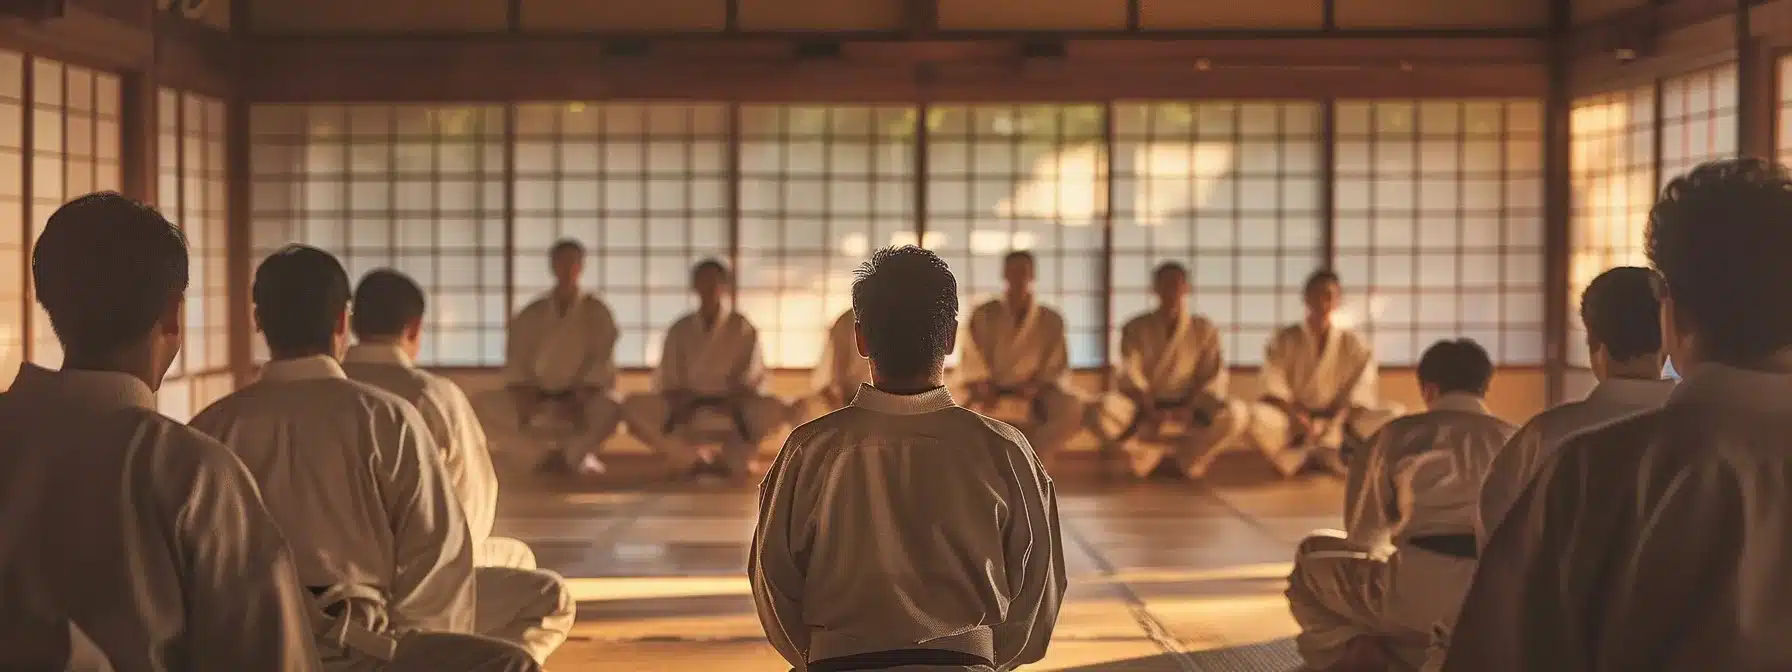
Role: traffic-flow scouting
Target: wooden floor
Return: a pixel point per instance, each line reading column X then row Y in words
column 1163, row 575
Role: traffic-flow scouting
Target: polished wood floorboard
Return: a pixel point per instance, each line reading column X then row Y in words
column 1168, row 576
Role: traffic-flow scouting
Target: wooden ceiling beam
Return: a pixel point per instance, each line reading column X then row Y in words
column 696, row 68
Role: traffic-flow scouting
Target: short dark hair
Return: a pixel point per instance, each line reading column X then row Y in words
column 711, row 264
column 1020, row 255
column 386, row 301
column 1169, row 267
column 1719, row 235
column 1623, row 313
column 906, row 303
column 566, row 245
column 1459, row 365
column 105, row 268
column 300, row 291
column 1319, row 277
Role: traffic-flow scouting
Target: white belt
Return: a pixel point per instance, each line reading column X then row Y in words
column 346, row 632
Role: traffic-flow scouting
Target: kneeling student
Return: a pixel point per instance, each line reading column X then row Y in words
column 516, row 601
column 905, row 530
column 1375, row 594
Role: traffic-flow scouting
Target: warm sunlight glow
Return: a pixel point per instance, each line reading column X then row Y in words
column 1062, row 185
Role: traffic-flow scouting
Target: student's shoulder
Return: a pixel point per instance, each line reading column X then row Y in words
column 168, row 447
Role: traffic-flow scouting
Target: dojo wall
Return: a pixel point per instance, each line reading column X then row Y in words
column 1517, row 394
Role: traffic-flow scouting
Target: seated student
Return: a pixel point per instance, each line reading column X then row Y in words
column 1371, row 596
column 516, row 601
column 1015, row 349
column 1659, row 541
column 1172, row 372
column 560, row 365
column 1623, row 319
column 905, row 532
column 127, row 539
column 1318, row 381
column 838, row 373
column 711, row 370
column 355, row 479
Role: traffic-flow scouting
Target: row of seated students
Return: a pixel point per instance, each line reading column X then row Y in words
column 1172, row 409
column 331, row 515
column 313, row 522
column 1644, row 528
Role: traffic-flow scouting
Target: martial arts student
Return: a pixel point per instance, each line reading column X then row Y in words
column 711, row 370
column 1172, row 373
column 1659, row 541
column 1375, row 595
column 1015, row 349
column 560, row 366
column 127, row 540
column 516, row 601
column 905, row 532
column 1318, row 381
column 356, row 483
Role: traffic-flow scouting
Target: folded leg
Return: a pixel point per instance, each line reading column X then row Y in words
column 531, row 608
column 646, row 415
column 1109, row 418
column 593, row 423
column 760, row 415
column 1224, row 430
column 437, row 652
column 503, row 552
column 1064, row 415
column 1337, row 593
column 1271, row 431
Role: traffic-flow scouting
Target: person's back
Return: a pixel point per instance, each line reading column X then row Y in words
column 900, row 561
column 354, row 477
column 904, row 530
column 97, row 505
column 1623, row 318
column 324, row 450
column 1378, row 593
column 127, row 540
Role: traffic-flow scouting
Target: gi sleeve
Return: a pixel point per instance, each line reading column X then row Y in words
column 1034, row 555
column 433, row 589
column 246, row 607
column 773, row 568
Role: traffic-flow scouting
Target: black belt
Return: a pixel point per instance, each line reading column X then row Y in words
column 683, row 414
column 878, row 660
column 1454, row 545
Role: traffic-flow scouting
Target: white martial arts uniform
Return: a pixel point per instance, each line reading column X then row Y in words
column 1656, row 542
column 710, row 383
column 131, row 541
column 1179, row 366
column 1008, row 351
column 907, row 522
column 838, row 372
column 355, row 480
column 1534, row 443
column 516, row 601
column 1401, row 566
column 557, row 354
column 1335, row 380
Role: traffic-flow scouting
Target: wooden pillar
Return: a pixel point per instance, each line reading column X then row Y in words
column 1557, row 204
column 1756, row 97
